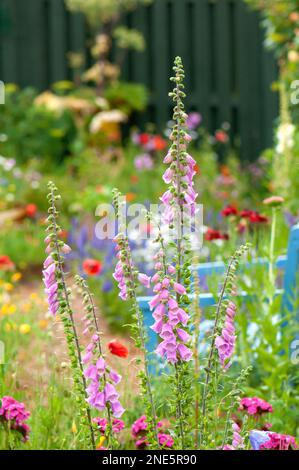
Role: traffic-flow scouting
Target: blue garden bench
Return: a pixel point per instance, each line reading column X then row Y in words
column 289, row 264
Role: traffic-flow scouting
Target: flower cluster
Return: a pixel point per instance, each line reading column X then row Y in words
column 169, row 317
column 255, row 406
column 212, row 234
column 245, row 215
column 101, row 390
column 49, row 278
column 149, row 142
column 264, row 440
column 179, row 175
column 117, row 425
column 139, row 431
column 225, row 343
column 15, row 413
column 123, row 268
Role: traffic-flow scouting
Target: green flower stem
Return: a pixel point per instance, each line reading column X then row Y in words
column 212, row 349
column 272, row 247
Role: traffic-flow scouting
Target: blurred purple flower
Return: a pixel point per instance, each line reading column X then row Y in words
column 144, row 162
column 193, row 120
column 107, row 286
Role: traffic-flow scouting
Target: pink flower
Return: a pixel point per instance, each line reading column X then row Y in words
column 144, row 279
column 165, row 440
column 117, row 425
column 226, row 342
column 179, row 288
column 279, row 442
column 255, row 406
column 16, row 414
column 49, row 278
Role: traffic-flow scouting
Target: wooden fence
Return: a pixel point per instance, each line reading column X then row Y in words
column 229, row 74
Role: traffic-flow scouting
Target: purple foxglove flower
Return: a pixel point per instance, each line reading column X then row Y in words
column 101, row 365
column 144, row 279
column 171, row 269
column 117, row 409
column 185, row 353
column 49, row 278
column 110, row 393
column 183, row 335
column 91, row 372
column 114, row 376
column 179, row 288
column 157, row 327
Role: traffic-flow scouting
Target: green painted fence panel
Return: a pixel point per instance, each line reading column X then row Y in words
column 228, row 72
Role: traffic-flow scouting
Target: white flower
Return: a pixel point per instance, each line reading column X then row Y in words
column 285, row 137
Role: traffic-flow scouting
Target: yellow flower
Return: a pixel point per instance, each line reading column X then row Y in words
column 8, row 309
column 101, row 442
column 74, row 428
column 25, row 329
column 33, row 296
column 43, row 324
column 8, row 286
column 11, row 309
column 16, row 277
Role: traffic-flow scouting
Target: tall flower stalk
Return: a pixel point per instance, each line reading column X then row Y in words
column 222, row 344
column 179, row 208
column 128, row 277
column 59, row 303
column 101, row 392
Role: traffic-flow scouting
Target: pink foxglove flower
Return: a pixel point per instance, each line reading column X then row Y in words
column 238, row 441
column 101, row 381
column 169, row 317
column 226, row 342
column 49, row 278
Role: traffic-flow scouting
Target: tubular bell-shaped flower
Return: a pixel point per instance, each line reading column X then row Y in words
column 170, row 319
column 100, row 378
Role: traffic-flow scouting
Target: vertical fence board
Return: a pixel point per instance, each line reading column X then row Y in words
column 58, row 41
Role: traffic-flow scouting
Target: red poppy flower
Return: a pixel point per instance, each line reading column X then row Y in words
column 144, row 138
column 31, row 210
column 92, row 267
column 229, row 210
column 212, row 234
column 246, row 213
column 6, row 264
column 221, row 136
column 118, row 349
column 159, row 143
column 257, row 218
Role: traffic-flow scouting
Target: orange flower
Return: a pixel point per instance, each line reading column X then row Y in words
column 92, row 267
column 31, row 210
column 159, row 143
column 118, row 349
column 130, row 197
